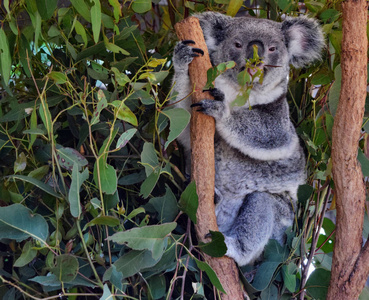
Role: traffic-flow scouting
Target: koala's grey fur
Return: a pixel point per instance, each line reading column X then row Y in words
column 259, row 161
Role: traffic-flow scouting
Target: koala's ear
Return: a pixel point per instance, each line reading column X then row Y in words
column 304, row 40
column 214, row 25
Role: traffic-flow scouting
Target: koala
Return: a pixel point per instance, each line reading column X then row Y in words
column 259, row 162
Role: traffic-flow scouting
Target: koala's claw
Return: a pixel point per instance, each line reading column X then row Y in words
column 186, row 42
column 197, row 50
column 216, row 93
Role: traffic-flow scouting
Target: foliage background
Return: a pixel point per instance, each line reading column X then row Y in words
column 92, row 189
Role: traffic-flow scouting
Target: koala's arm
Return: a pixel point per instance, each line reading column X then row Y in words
column 263, row 132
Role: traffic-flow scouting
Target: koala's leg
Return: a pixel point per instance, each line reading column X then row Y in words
column 251, row 229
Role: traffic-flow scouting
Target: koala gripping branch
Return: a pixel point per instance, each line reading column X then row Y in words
column 202, row 168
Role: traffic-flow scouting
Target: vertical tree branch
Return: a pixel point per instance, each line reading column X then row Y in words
column 203, row 168
column 350, row 266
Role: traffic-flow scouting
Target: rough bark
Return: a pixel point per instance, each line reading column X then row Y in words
column 203, row 168
column 350, row 266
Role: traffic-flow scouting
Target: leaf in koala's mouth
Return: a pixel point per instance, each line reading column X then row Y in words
column 258, row 68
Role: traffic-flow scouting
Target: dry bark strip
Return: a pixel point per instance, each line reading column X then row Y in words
column 350, row 267
column 203, row 168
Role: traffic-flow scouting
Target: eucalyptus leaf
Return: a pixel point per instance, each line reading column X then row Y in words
column 166, row 206
column 28, row 254
column 203, row 266
column 149, row 237
column 217, row 246
column 149, row 158
column 74, row 191
column 19, row 223
column 189, row 201
column 134, row 261
column 45, row 187
column 318, row 283
column 96, row 19
column 5, row 57
column 179, row 119
column 66, row 267
column 69, row 157
column 105, row 176
column 141, row 6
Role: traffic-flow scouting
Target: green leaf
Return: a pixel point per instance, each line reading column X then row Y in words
column 107, row 176
column 217, row 246
column 106, row 293
column 334, row 92
column 81, row 31
column 66, row 267
column 117, row 10
column 318, row 283
column 149, row 159
column 149, row 237
column 329, row 15
column 46, row 8
column 189, row 201
column 19, row 223
column 233, row 7
column 121, row 78
column 289, row 278
column 45, row 187
column 57, row 77
column 101, row 104
column 114, row 277
column 304, row 193
column 5, row 57
column 179, row 119
column 69, row 157
column 33, row 126
column 96, row 19
column 74, row 191
column 125, row 137
column 364, row 162
column 203, row 266
column 116, row 49
column 134, row 261
column 264, row 274
column 28, row 254
column 46, row 116
column 148, row 185
column 52, row 280
column 20, row 163
column 103, row 220
column 141, row 6
column 123, row 112
column 166, row 206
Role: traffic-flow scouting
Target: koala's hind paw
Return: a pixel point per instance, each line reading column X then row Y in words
column 216, row 109
column 216, row 93
column 184, row 54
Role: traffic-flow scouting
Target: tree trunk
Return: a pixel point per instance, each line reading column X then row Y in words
column 203, row 167
column 350, row 266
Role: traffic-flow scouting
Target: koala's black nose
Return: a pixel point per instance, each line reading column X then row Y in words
column 250, row 49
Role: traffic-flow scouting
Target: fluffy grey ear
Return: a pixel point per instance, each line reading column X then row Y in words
column 214, row 25
column 304, row 40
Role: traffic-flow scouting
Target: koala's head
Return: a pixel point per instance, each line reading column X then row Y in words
column 297, row 41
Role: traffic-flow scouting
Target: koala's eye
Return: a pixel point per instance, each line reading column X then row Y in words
column 272, row 49
column 238, row 45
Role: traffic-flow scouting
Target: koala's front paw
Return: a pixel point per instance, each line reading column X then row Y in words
column 216, row 109
column 216, row 93
column 184, row 54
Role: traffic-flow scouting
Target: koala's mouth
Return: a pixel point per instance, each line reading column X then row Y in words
column 253, row 71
